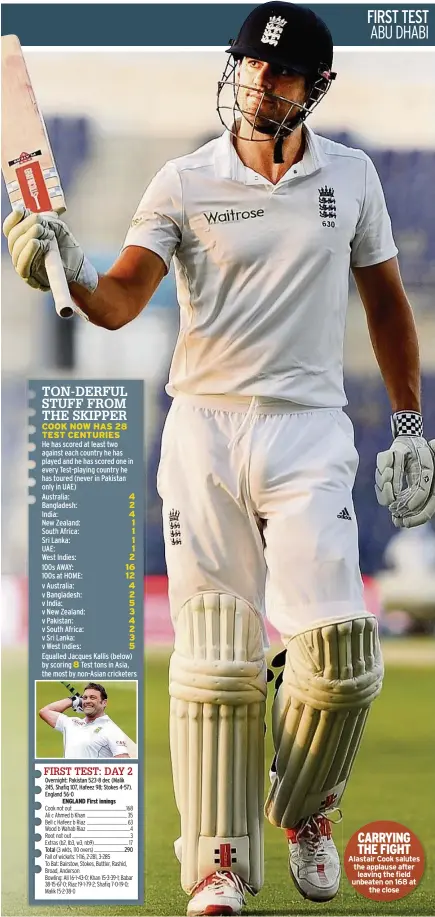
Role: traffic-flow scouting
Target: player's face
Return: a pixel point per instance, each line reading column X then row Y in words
column 92, row 702
column 266, row 112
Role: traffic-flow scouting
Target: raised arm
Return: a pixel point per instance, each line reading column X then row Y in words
column 50, row 712
column 113, row 299
column 124, row 291
column 110, row 300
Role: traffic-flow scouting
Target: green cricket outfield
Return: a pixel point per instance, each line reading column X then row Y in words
column 393, row 779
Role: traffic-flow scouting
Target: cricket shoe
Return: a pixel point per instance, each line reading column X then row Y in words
column 313, row 858
column 220, row 893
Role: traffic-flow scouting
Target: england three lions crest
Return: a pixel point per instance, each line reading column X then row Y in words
column 327, row 206
column 273, row 30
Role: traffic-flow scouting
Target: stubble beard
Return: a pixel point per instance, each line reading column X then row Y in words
column 269, row 125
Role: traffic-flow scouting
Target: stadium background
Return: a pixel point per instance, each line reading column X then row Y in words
column 108, row 145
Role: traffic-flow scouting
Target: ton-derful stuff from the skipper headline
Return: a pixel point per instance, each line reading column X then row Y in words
column 84, row 402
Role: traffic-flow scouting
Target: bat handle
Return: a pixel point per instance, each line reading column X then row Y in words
column 56, row 275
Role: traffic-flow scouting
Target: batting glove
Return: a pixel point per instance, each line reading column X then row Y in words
column 29, row 236
column 77, row 704
column 410, row 458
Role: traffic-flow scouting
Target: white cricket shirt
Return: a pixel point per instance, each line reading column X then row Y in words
column 262, row 270
column 101, row 738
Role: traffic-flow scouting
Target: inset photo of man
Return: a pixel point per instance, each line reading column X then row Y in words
column 80, row 713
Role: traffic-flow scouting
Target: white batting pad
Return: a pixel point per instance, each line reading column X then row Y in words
column 218, row 691
column 331, row 676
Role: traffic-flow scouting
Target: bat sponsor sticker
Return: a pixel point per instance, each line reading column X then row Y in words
column 33, row 188
column 24, row 157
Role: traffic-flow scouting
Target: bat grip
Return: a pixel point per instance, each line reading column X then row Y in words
column 71, row 688
column 58, row 283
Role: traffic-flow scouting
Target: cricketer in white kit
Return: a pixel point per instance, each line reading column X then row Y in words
column 258, row 460
column 94, row 735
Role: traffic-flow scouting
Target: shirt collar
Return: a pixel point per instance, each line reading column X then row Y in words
column 99, row 721
column 228, row 164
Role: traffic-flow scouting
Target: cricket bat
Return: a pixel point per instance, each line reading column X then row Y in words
column 28, row 165
column 131, row 746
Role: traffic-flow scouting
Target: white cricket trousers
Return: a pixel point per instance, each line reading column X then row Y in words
column 257, row 503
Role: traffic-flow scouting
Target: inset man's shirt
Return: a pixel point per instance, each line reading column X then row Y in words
column 101, row 738
column 262, row 270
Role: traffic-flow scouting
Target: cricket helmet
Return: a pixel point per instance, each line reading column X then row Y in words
column 291, row 39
